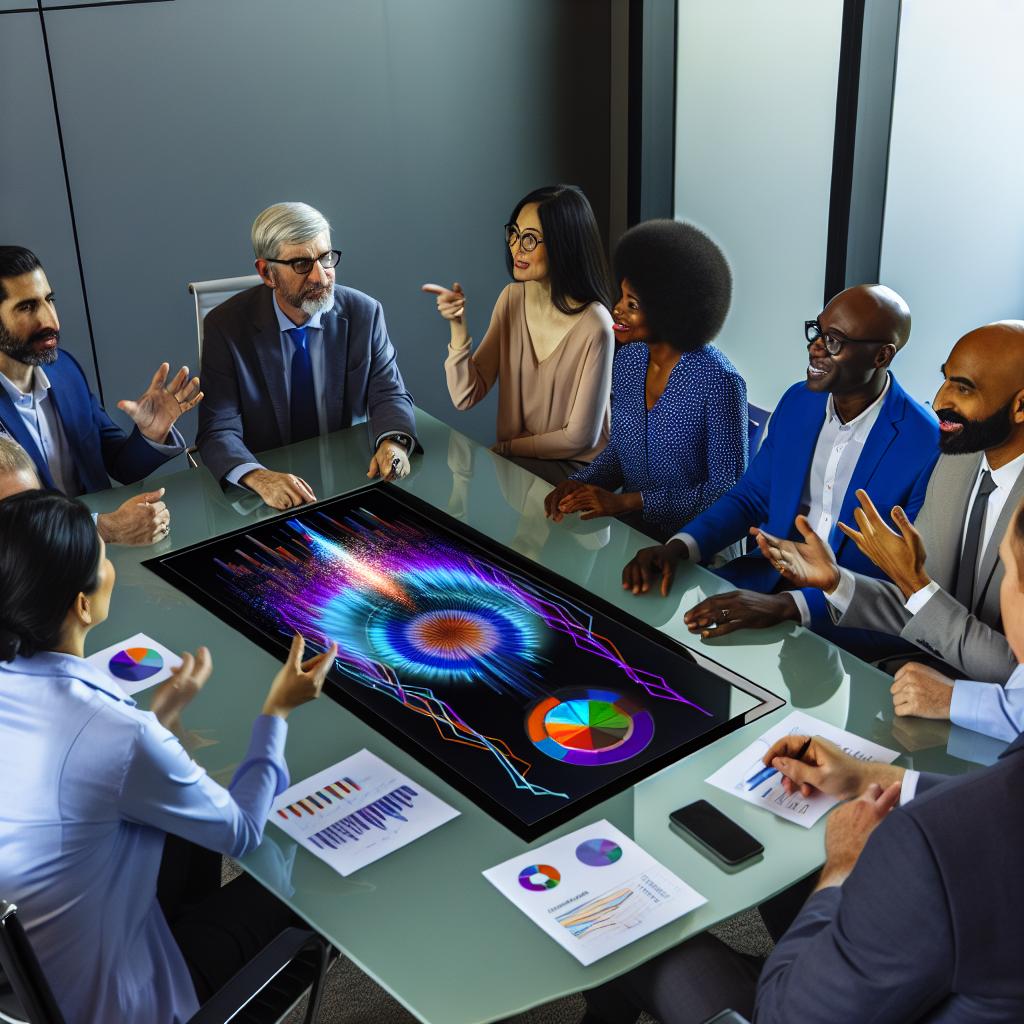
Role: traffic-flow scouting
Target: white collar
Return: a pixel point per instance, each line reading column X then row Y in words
column 1005, row 476
column 830, row 407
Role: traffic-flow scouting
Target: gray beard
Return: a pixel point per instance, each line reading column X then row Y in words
column 313, row 306
column 21, row 351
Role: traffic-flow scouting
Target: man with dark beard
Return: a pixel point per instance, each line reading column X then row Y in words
column 951, row 607
column 53, row 415
column 296, row 357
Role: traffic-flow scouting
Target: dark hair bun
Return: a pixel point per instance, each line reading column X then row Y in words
column 682, row 279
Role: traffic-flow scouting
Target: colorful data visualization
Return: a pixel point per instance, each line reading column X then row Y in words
column 532, row 697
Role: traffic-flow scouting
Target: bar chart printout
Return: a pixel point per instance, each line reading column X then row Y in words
column 357, row 811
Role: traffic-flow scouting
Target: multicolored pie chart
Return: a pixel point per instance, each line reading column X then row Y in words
column 598, row 853
column 538, row 877
column 133, row 664
column 589, row 727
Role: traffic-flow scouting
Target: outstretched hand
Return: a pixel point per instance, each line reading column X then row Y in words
column 159, row 406
column 807, row 563
column 451, row 302
column 900, row 555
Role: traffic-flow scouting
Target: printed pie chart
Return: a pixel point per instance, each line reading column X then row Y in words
column 538, row 877
column 589, row 727
column 133, row 664
column 598, row 853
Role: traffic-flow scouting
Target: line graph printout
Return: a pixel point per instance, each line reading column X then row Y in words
column 609, row 892
column 746, row 775
column 357, row 811
column 524, row 692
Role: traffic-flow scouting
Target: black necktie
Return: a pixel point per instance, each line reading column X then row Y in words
column 972, row 542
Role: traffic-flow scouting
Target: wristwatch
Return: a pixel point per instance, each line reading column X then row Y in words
column 403, row 439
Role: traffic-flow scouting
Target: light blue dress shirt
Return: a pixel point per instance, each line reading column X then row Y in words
column 315, row 344
column 90, row 786
column 989, row 708
column 39, row 413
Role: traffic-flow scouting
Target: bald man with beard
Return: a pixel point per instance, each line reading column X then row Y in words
column 949, row 607
column 848, row 425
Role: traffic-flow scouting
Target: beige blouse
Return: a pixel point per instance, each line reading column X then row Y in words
column 554, row 409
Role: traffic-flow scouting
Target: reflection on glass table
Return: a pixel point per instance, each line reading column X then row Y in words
column 423, row 921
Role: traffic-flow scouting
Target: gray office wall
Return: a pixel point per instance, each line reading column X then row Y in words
column 414, row 126
column 34, row 208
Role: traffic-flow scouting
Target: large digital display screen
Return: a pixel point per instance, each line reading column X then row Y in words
column 534, row 698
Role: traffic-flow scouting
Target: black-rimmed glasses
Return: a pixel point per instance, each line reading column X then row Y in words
column 302, row 265
column 813, row 331
column 526, row 240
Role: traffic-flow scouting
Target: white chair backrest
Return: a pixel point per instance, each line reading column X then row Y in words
column 208, row 294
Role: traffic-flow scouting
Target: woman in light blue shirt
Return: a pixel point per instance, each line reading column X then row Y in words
column 92, row 784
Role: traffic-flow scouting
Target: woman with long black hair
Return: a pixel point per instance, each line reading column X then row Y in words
column 93, row 786
column 549, row 344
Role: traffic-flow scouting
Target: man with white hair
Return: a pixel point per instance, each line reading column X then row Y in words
column 141, row 520
column 296, row 357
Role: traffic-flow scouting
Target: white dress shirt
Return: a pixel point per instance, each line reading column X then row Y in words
column 835, row 458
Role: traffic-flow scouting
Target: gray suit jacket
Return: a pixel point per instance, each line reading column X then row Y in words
column 245, row 404
column 927, row 926
column 944, row 627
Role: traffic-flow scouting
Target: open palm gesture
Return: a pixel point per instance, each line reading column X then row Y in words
column 160, row 405
column 810, row 563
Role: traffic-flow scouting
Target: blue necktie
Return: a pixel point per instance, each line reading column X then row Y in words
column 303, row 401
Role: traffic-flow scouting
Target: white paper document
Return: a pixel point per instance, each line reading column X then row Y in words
column 357, row 811
column 747, row 777
column 594, row 891
column 136, row 664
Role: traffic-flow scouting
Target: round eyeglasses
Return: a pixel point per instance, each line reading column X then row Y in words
column 302, row 265
column 813, row 331
column 526, row 240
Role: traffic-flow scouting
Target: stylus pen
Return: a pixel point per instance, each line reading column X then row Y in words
column 768, row 771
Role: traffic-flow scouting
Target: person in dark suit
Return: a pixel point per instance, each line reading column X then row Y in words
column 915, row 916
column 849, row 425
column 295, row 357
column 53, row 415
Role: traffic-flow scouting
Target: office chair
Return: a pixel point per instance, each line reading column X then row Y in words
column 757, row 423
column 266, row 989
column 207, row 295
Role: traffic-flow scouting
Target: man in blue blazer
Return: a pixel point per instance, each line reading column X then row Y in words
column 295, row 357
column 849, row 425
column 46, row 405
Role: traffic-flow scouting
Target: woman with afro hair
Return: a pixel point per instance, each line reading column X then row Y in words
column 679, row 407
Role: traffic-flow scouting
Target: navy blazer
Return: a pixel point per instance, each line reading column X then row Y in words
column 101, row 449
column 245, row 404
column 927, row 926
column 894, row 467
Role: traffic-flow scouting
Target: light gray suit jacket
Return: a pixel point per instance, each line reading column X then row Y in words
column 944, row 627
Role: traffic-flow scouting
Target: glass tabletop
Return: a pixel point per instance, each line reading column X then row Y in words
column 423, row 921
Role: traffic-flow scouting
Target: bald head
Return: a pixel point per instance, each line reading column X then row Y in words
column 981, row 402
column 17, row 470
column 874, row 311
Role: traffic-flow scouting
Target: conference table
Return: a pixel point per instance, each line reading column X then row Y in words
column 423, row 921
